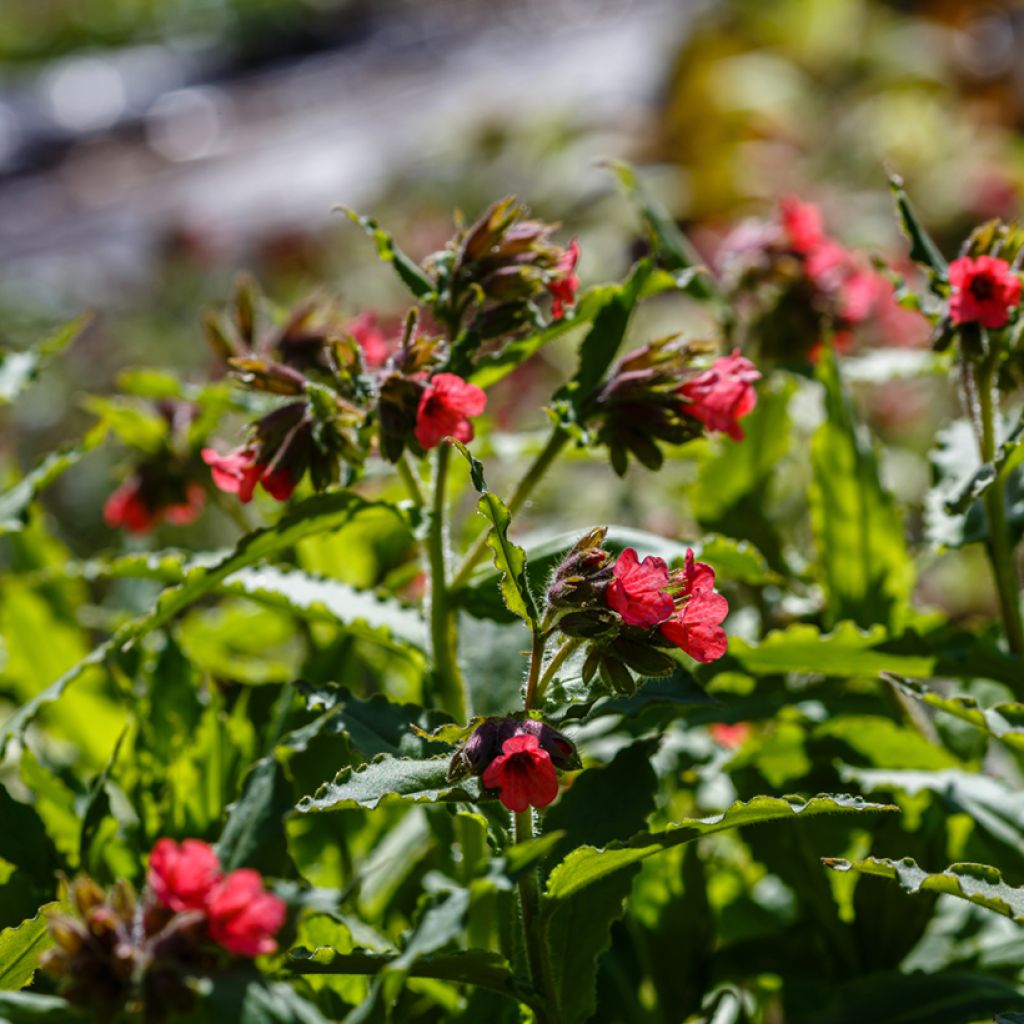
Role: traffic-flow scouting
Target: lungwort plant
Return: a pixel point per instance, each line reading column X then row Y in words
column 473, row 720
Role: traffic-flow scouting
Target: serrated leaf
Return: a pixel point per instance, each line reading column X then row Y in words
column 318, row 514
column 845, row 652
column 409, row 272
column 1003, row 721
column 19, row 370
column 509, row 558
column 20, row 948
column 922, row 249
column 862, row 555
column 422, row 780
column 16, row 502
column 977, row 883
column 588, row 864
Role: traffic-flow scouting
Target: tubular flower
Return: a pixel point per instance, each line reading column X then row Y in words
column 637, row 591
column 523, row 774
column 445, row 408
column 239, row 471
column 146, row 499
column 565, row 283
column 126, row 507
column 242, row 915
column 802, row 223
column 371, row 339
column 487, row 741
column 181, row 877
column 723, row 394
column 985, row 289
column 695, row 627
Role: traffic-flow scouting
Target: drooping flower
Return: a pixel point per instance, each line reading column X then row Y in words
column 242, row 916
column 695, row 627
column 721, row 395
column 182, row 877
column 486, row 742
column 564, row 285
column 239, row 471
column 445, row 408
column 985, row 289
column 372, row 340
column 637, row 591
column 523, row 774
column 803, row 224
column 138, row 505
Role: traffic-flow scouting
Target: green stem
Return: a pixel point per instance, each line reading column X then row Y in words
column 1000, row 546
column 524, row 489
column 533, row 675
column 555, row 664
column 411, row 480
column 536, row 946
column 442, row 623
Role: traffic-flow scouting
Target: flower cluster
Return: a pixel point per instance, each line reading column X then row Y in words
column 656, row 394
column 518, row 758
column 631, row 612
column 121, row 953
column 791, row 284
column 163, row 484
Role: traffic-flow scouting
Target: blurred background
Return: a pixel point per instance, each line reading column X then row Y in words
column 149, row 149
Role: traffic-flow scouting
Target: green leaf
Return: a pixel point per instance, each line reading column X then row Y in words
column 16, row 502
column 19, row 370
column 845, row 652
column 418, row 781
column 587, row 865
column 318, row 514
column 480, row 967
column 24, row 842
column 509, row 558
column 29, row 1007
column 409, row 272
column 922, row 249
column 945, row 997
column 977, row 883
column 672, row 247
column 20, row 948
column 862, row 556
column 254, row 835
column 601, row 345
column 1003, row 721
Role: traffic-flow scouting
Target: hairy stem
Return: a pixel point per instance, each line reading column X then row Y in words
column 411, row 480
column 555, row 664
column 442, row 622
column 533, row 675
column 999, row 546
column 524, row 489
column 536, row 946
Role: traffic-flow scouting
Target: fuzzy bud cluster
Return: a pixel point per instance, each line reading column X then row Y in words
column 119, row 953
column 518, row 758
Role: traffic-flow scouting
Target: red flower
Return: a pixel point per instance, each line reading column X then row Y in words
column 239, row 471
column 130, row 508
column 984, row 290
column 242, row 915
column 695, row 627
column 372, row 340
column 126, row 508
column 523, row 773
column 181, row 877
column 718, row 397
column 731, row 735
column 444, row 410
column 802, row 223
column 637, row 592
column 564, row 284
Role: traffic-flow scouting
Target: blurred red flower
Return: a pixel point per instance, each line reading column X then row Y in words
column 985, row 289
column 444, row 410
column 723, row 394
